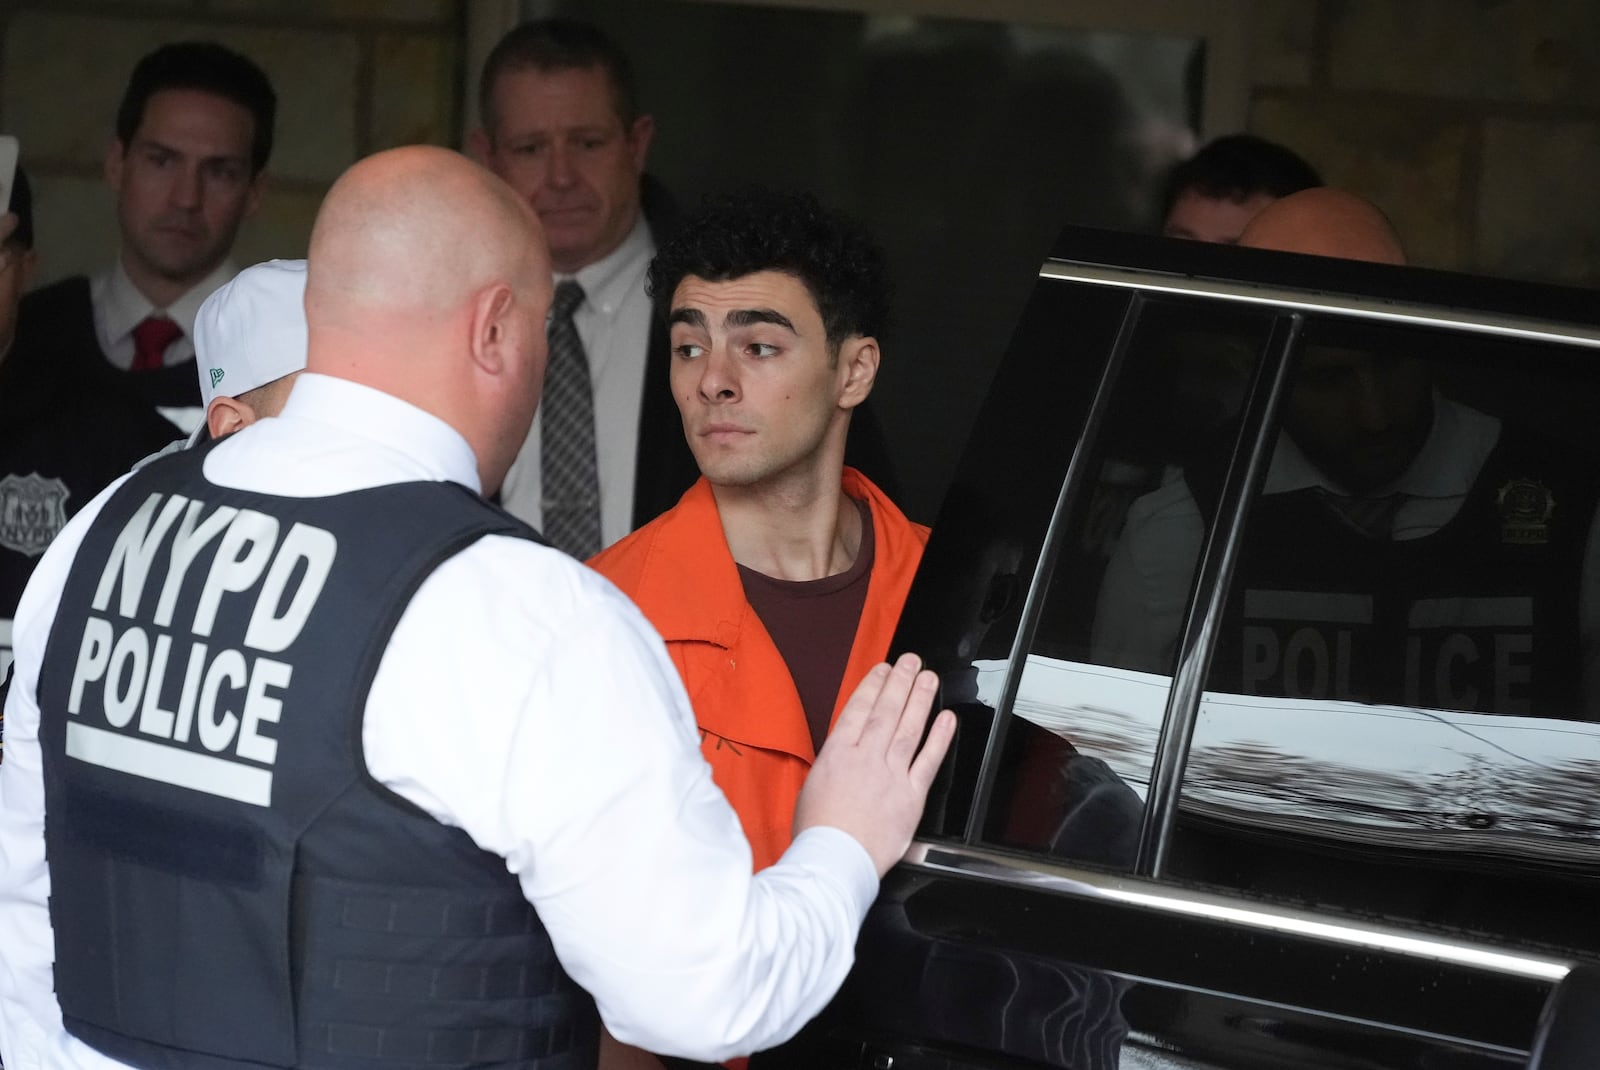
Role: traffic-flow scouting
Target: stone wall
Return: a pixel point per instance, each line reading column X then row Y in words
column 352, row 77
column 1474, row 123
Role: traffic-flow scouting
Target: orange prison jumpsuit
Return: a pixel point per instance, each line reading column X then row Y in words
column 753, row 730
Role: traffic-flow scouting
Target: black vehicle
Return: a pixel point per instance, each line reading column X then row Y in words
column 1268, row 594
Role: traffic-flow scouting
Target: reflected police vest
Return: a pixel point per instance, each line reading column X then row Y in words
column 1480, row 616
column 229, row 886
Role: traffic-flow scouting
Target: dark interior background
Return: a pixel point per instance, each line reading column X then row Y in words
column 964, row 145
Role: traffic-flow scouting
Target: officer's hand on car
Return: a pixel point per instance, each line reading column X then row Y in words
column 870, row 780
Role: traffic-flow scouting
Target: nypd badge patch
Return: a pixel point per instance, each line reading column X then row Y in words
column 32, row 510
column 1526, row 506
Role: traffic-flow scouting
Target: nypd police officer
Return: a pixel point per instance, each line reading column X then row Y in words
column 1406, row 548
column 315, row 759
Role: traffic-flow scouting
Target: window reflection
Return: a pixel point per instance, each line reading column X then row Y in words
column 1410, row 547
column 1399, row 715
column 1076, row 764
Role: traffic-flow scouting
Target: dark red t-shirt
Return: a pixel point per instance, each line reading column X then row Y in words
column 813, row 623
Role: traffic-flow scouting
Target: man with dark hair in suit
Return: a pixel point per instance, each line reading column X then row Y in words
column 193, row 134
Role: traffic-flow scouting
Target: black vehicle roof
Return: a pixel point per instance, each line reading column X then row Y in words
column 1251, row 268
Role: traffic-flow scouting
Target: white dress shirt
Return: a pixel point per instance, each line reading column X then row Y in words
column 614, row 324
column 525, row 700
column 119, row 307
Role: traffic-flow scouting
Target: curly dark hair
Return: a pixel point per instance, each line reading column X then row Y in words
column 755, row 229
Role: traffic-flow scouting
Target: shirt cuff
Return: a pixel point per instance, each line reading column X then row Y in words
column 836, row 851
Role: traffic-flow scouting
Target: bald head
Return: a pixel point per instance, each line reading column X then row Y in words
column 428, row 279
column 1325, row 222
column 417, row 231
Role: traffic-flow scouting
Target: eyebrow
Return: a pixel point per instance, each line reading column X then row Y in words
column 150, row 142
column 747, row 317
column 739, row 317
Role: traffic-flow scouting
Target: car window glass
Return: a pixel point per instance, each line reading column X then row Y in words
column 1400, row 708
column 965, row 606
column 1075, row 766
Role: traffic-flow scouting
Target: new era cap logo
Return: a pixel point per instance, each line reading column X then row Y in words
column 216, row 376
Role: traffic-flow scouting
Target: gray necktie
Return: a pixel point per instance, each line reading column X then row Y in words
column 568, row 473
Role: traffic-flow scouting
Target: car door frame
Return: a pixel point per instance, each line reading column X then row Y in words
column 1420, row 991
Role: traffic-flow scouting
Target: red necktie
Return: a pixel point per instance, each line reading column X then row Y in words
column 151, row 337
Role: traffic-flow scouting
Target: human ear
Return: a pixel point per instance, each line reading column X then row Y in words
column 226, row 415
column 492, row 328
column 858, row 365
column 639, row 135
column 252, row 198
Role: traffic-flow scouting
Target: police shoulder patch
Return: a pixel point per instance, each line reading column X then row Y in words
column 32, row 510
column 1526, row 506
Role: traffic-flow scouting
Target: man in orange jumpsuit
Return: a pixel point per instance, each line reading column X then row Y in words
column 778, row 578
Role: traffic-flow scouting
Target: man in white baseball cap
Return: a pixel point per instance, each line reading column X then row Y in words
column 250, row 344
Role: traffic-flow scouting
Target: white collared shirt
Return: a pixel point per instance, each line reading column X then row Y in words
column 523, row 699
column 614, row 324
column 1145, row 590
column 1433, row 486
column 119, row 307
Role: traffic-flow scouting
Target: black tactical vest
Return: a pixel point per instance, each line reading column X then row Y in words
column 229, row 886
column 1480, row 616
